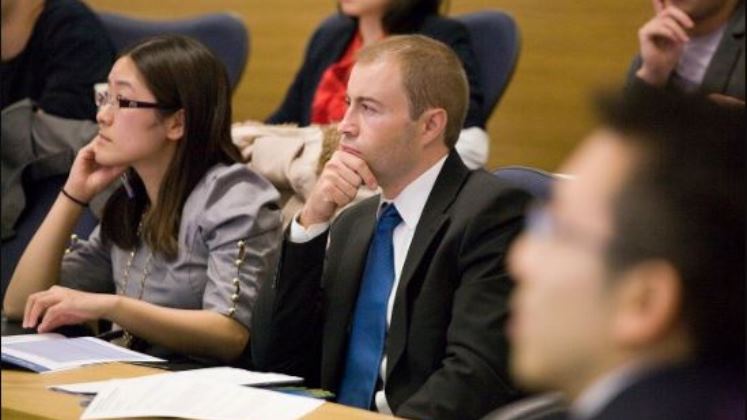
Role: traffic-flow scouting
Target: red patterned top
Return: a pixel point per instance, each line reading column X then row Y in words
column 329, row 100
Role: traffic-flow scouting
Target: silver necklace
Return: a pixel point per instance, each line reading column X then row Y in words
column 127, row 337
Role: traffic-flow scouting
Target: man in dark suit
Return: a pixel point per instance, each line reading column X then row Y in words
column 630, row 282
column 694, row 45
column 400, row 304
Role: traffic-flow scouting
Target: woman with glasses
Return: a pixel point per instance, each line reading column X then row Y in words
column 188, row 237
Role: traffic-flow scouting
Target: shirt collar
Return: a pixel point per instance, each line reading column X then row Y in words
column 411, row 201
column 604, row 390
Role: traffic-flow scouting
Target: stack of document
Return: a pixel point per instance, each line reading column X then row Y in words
column 52, row 352
column 179, row 395
column 222, row 374
column 211, row 393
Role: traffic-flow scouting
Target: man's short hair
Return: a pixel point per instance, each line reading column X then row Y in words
column 432, row 75
column 684, row 202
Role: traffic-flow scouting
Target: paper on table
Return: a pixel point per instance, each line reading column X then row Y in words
column 50, row 352
column 169, row 396
column 226, row 375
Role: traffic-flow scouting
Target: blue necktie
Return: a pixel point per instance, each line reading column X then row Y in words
column 366, row 345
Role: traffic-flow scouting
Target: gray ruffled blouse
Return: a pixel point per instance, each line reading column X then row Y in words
column 229, row 209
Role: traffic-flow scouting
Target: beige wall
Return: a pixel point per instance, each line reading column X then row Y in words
column 570, row 48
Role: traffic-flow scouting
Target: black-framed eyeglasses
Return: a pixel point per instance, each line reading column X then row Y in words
column 541, row 223
column 104, row 98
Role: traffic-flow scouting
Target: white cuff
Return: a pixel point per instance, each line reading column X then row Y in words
column 299, row 234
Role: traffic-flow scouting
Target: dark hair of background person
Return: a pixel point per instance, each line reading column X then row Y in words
column 182, row 74
column 406, row 16
column 684, row 202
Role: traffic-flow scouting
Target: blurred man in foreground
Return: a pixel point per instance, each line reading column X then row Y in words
column 630, row 296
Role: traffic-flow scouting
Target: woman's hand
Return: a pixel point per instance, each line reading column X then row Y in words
column 60, row 306
column 87, row 178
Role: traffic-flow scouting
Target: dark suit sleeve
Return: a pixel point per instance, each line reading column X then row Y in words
column 631, row 80
column 291, row 109
column 287, row 320
column 634, row 84
column 473, row 378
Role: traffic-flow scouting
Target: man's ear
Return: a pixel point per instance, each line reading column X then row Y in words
column 433, row 125
column 175, row 125
column 648, row 304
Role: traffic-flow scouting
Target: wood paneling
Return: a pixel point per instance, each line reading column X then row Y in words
column 571, row 48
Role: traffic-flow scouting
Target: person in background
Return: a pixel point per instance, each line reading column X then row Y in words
column 53, row 53
column 184, row 243
column 694, row 45
column 317, row 95
column 631, row 280
column 400, row 303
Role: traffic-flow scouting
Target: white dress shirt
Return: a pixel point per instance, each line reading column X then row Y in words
column 695, row 58
column 409, row 203
column 597, row 396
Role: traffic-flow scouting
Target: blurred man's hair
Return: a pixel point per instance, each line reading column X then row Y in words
column 432, row 75
column 685, row 203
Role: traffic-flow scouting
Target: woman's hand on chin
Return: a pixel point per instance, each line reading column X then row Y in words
column 87, row 177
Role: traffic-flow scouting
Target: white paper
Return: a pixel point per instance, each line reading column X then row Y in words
column 25, row 338
column 52, row 352
column 225, row 375
column 170, row 396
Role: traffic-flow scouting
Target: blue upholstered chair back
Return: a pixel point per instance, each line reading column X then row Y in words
column 496, row 41
column 536, row 182
column 223, row 33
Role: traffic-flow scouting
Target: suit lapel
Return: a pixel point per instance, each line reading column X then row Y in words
column 353, row 260
column 445, row 190
column 722, row 65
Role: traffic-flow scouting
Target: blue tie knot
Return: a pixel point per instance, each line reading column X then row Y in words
column 389, row 218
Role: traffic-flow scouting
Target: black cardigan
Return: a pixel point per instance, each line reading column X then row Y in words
column 329, row 43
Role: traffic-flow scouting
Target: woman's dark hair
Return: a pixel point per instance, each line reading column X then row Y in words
column 183, row 75
column 406, row 16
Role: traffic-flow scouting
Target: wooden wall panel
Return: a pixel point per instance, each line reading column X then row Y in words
column 570, row 49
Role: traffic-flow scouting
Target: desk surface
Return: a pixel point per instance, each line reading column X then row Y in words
column 25, row 396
